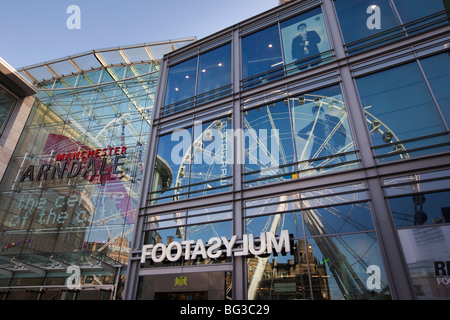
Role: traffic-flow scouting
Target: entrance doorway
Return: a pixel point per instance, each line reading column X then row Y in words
column 186, row 286
column 202, row 295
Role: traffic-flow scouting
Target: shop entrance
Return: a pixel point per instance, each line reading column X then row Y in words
column 186, row 286
column 203, row 295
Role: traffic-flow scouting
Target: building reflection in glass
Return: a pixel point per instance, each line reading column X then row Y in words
column 334, row 245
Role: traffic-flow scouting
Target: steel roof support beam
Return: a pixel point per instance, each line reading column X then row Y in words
column 103, row 265
column 34, row 269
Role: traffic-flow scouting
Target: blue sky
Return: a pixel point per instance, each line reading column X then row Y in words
column 35, row 31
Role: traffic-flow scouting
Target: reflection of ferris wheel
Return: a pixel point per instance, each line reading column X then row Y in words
column 198, row 147
column 347, row 279
column 325, row 131
column 328, row 133
column 329, row 113
column 344, row 272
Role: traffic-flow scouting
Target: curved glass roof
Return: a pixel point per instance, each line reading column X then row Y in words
column 96, row 59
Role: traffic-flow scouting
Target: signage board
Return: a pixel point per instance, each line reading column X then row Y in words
column 216, row 247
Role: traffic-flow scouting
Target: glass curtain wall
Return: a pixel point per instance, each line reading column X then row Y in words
column 405, row 112
column 201, row 79
column 194, row 224
column 72, row 187
column 420, row 208
column 291, row 46
column 7, row 104
column 301, row 136
column 385, row 21
column 193, row 161
column 334, row 251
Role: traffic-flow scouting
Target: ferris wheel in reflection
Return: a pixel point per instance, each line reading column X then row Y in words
column 322, row 141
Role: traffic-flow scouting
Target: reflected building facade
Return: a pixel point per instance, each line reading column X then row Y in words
column 325, row 118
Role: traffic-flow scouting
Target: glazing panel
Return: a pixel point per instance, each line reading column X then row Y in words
column 347, row 267
column 338, row 219
column 214, row 69
column 210, row 160
column 437, row 71
column 410, row 10
column 321, row 129
column 225, row 207
column 421, row 209
column 304, row 38
column 368, row 18
column 275, row 223
column 210, row 218
column 269, row 201
column 330, row 199
column 181, row 81
column 173, row 162
column 46, row 221
column 311, row 130
column 427, row 252
column 207, row 231
column 279, row 277
column 268, row 138
column 398, row 106
column 261, row 52
column 7, row 103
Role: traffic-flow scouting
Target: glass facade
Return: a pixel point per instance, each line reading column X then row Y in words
column 7, row 104
column 69, row 198
column 386, row 95
column 334, row 244
column 330, row 102
column 291, row 46
column 387, row 21
column 301, row 154
column 199, row 80
column 421, row 211
column 313, row 136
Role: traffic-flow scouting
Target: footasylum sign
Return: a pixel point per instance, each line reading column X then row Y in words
column 216, row 247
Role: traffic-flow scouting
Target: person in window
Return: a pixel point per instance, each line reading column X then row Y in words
column 305, row 44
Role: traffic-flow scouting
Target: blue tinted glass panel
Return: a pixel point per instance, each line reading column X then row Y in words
column 360, row 19
column 338, row 219
column 437, row 71
column 181, row 81
column 410, row 10
column 311, row 131
column 341, row 265
column 398, row 106
column 211, row 169
column 261, row 126
column 172, row 166
column 304, row 37
column 321, row 127
column 7, row 103
column 214, row 69
column 261, row 52
column 292, row 221
column 421, row 209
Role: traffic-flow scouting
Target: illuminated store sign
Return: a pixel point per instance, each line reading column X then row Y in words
column 82, row 163
column 217, row 247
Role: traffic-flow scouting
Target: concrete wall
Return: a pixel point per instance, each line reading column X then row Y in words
column 24, row 91
column 11, row 135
